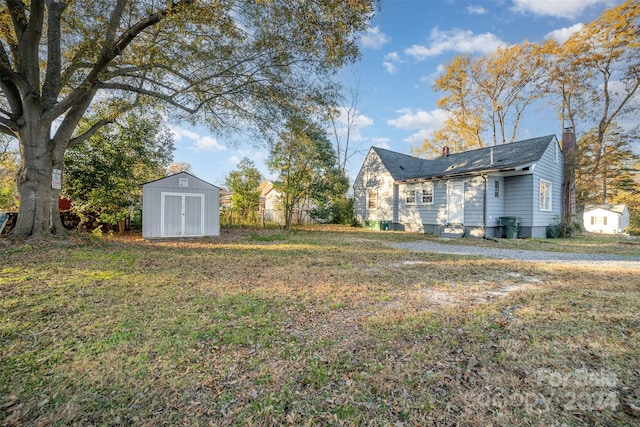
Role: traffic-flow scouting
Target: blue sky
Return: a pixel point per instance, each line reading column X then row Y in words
column 404, row 50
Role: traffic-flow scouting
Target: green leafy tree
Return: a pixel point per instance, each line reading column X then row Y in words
column 243, row 184
column 103, row 176
column 305, row 161
column 229, row 63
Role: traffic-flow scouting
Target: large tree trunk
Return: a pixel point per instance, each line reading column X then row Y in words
column 38, row 214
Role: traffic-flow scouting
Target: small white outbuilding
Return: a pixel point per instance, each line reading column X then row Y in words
column 606, row 219
column 180, row 205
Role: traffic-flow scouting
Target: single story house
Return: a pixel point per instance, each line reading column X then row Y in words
column 465, row 193
column 180, row 205
column 606, row 219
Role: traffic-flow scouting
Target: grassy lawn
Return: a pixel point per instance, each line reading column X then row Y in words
column 323, row 326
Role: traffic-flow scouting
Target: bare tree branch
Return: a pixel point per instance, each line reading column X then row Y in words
column 89, row 133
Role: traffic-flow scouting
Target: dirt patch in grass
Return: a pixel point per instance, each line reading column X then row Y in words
column 317, row 327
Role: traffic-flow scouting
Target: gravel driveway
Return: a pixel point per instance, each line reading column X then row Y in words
column 523, row 255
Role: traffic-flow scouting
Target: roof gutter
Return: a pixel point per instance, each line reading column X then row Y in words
column 520, row 168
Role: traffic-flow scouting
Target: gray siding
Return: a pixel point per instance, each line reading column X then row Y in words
column 418, row 215
column 495, row 205
column 412, row 215
column 152, row 226
column 474, row 202
column 518, row 198
column 549, row 170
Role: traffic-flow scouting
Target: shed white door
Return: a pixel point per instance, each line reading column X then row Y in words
column 455, row 203
column 182, row 215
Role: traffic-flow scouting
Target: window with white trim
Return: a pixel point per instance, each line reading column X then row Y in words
column 410, row 196
column 426, row 194
column 545, row 195
column 372, row 199
column 496, row 188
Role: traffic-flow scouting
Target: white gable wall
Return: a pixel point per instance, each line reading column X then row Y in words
column 374, row 176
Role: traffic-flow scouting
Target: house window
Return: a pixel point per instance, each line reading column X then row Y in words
column 410, row 196
column 593, row 220
column 604, row 220
column 372, row 199
column 545, row 195
column 426, row 195
column 496, row 184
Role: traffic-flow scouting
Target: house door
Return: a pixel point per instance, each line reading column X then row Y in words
column 455, row 203
column 182, row 215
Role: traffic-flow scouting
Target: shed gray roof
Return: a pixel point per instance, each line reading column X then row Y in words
column 505, row 157
column 186, row 174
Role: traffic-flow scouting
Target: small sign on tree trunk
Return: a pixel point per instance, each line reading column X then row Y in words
column 56, row 179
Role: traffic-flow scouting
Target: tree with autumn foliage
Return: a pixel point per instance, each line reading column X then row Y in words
column 230, row 64
column 487, row 97
column 591, row 80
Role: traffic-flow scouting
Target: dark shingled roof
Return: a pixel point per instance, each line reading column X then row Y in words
column 505, row 157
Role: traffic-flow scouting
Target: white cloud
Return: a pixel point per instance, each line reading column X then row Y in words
column 418, row 119
column 431, row 78
column 418, row 138
column 562, row 35
column 359, row 121
column 475, row 10
column 424, row 121
column 380, row 142
column 390, row 62
column 200, row 142
column 557, row 8
column 462, row 41
column 373, row 38
column 179, row 133
column 206, row 143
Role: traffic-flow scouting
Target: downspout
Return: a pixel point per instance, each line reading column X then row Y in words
column 484, row 207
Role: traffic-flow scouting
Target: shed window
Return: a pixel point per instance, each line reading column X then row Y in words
column 410, row 196
column 545, row 195
column 372, row 199
column 604, row 220
column 496, row 184
column 426, row 194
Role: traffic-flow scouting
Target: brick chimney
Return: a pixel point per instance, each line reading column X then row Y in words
column 445, row 151
column 569, row 150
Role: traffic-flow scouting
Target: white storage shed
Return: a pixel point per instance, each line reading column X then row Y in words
column 180, row 205
column 607, row 219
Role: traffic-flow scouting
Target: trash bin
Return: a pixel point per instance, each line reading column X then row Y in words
column 384, row 225
column 511, row 226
